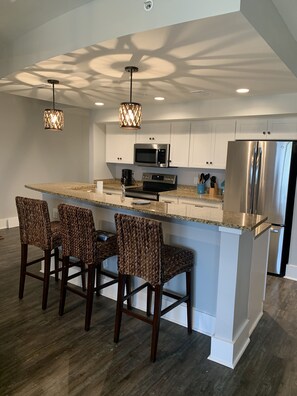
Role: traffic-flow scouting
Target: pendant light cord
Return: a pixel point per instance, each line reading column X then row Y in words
column 131, row 85
column 54, row 96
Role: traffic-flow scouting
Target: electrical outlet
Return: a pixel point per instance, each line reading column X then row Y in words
column 55, row 214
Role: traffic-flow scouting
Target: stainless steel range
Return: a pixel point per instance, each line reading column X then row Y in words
column 153, row 183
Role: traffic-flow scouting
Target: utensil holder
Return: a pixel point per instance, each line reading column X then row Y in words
column 201, row 188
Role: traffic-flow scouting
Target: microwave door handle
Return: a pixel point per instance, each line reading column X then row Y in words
column 157, row 156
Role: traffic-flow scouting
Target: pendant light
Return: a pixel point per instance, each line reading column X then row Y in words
column 130, row 112
column 53, row 119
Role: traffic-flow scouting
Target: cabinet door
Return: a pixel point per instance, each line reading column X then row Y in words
column 201, row 144
column 223, row 132
column 251, row 129
column 283, row 128
column 180, row 143
column 119, row 145
column 199, row 203
column 155, row 132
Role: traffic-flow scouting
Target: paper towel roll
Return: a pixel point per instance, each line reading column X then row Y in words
column 99, row 187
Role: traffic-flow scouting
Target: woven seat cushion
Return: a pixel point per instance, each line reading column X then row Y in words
column 108, row 248
column 175, row 261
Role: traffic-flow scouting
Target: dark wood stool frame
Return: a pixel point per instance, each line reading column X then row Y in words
column 80, row 240
column 131, row 233
column 36, row 229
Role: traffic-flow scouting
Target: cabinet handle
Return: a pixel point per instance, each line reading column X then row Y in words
column 264, row 133
column 268, row 132
column 207, row 162
column 210, row 162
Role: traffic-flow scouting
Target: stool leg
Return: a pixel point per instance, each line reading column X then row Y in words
column 149, row 300
column 128, row 290
column 24, row 257
column 98, row 278
column 65, row 269
column 118, row 319
column 56, row 264
column 83, row 275
column 46, row 278
column 90, row 295
column 189, row 301
column 156, row 321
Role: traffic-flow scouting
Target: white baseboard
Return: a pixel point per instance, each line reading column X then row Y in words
column 9, row 223
column 12, row 222
column 291, row 272
column 3, row 224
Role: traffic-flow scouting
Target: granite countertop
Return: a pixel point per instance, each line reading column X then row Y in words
column 191, row 193
column 182, row 191
column 85, row 192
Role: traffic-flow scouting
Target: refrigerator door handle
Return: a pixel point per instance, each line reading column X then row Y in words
column 257, row 180
column 252, row 180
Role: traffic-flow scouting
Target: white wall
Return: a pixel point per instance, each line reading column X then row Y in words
column 29, row 154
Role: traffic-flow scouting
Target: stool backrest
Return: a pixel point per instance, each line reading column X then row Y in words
column 34, row 222
column 140, row 243
column 78, row 233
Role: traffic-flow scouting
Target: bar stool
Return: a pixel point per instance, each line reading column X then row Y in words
column 36, row 229
column 142, row 253
column 81, row 240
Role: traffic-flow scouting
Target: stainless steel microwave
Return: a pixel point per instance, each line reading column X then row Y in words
column 152, row 155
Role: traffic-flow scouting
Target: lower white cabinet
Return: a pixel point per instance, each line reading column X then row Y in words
column 168, row 199
column 119, row 145
column 200, row 203
column 197, row 202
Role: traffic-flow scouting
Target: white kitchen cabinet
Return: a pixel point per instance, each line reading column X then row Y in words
column 259, row 128
column 209, row 142
column 154, row 132
column 180, row 143
column 119, row 145
column 200, row 203
column 168, row 199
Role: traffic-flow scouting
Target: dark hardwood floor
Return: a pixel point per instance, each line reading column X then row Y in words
column 44, row 354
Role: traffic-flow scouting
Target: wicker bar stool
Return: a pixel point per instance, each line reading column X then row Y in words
column 81, row 240
column 142, row 253
column 36, row 229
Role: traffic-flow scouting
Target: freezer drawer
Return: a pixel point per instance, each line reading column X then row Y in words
column 275, row 249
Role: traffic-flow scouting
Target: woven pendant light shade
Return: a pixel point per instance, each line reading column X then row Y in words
column 130, row 113
column 53, row 119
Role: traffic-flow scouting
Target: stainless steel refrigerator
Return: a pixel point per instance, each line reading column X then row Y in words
column 261, row 179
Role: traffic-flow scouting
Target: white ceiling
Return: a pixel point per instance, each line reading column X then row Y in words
column 207, row 58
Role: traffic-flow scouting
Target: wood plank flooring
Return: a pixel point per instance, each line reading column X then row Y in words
column 44, row 354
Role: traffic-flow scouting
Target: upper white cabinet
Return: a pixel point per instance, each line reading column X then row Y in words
column 260, row 128
column 209, row 142
column 155, row 132
column 180, row 143
column 119, row 145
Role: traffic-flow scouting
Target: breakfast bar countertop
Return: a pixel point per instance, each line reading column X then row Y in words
column 85, row 192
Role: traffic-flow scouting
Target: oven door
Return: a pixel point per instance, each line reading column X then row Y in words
column 152, row 196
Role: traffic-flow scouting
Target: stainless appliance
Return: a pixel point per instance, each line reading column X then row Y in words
column 261, row 179
column 152, row 155
column 127, row 177
column 153, row 183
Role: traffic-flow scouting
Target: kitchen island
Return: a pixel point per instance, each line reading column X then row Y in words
column 230, row 260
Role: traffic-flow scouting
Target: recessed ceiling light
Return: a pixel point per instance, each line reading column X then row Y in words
column 159, row 98
column 99, row 103
column 242, row 90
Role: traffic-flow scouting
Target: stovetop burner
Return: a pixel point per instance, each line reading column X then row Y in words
column 153, row 183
